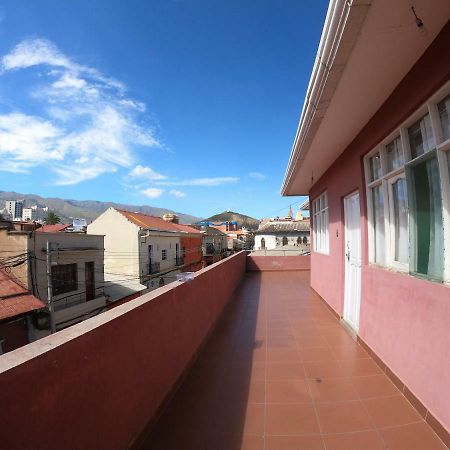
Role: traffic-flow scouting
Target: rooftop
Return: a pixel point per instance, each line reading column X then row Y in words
column 14, row 299
column 280, row 226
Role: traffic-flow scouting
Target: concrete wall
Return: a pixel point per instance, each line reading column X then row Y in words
column 274, row 241
column 277, row 263
column 403, row 319
column 97, row 384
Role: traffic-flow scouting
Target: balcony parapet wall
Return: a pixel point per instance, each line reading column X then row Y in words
column 277, row 263
column 97, row 384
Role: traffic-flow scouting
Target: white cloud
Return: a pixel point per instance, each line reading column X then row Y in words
column 257, row 176
column 88, row 126
column 177, row 194
column 152, row 192
column 217, row 181
column 147, row 173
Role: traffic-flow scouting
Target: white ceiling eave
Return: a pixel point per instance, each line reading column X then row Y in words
column 366, row 48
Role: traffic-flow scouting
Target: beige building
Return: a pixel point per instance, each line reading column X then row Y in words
column 76, row 267
column 141, row 251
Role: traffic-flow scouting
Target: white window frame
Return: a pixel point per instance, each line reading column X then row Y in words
column 387, row 179
column 321, row 233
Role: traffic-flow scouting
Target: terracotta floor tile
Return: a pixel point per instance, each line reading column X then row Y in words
column 391, row 411
column 323, row 369
column 374, row 386
column 294, row 443
column 287, row 419
column 316, row 354
column 360, row 367
column 349, row 352
column 287, row 391
column 284, row 371
column 311, row 341
column 418, row 436
column 343, row 417
column 361, row 440
column 229, row 441
column 282, row 355
column 332, row 390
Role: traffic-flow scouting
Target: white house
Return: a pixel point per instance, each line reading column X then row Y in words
column 283, row 233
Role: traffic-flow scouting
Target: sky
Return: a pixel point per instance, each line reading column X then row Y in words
column 190, row 105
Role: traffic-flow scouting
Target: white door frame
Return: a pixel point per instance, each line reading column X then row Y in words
column 352, row 259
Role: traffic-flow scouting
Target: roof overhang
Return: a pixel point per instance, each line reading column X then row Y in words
column 366, row 48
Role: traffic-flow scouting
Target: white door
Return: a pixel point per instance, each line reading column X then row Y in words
column 352, row 294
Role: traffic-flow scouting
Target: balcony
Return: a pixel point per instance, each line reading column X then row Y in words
column 278, row 371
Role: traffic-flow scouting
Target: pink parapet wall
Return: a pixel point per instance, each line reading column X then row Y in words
column 96, row 385
column 277, row 263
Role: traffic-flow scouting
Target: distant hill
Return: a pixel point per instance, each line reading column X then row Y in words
column 230, row 216
column 86, row 209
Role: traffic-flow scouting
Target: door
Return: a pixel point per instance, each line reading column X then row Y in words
column 352, row 235
column 89, row 277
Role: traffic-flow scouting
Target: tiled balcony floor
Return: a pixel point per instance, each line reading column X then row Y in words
column 280, row 373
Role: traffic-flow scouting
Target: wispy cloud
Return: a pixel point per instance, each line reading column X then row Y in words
column 146, row 173
column 88, row 126
column 152, row 192
column 177, row 194
column 257, row 176
column 216, row 181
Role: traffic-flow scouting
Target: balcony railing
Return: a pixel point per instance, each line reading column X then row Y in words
column 154, row 268
column 75, row 299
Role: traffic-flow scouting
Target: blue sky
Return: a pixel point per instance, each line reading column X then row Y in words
column 190, row 105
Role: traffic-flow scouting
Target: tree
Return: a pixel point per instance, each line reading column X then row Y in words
column 52, row 219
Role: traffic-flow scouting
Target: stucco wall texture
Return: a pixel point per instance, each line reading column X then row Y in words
column 403, row 319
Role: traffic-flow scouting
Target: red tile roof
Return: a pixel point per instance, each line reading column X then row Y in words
column 53, row 228
column 15, row 299
column 156, row 223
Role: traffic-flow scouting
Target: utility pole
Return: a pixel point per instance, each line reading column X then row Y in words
column 50, row 287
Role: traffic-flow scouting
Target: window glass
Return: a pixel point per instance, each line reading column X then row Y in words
column 320, row 223
column 378, row 224
column 426, row 226
column 421, row 138
column 394, row 154
column 375, row 167
column 443, row 108
column 400, row 207
column 64, row 278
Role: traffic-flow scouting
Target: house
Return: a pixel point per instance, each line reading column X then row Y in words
column 143, row 251
column 58, row 227
column 75, row 265
column 283, row 234
column 214, row 244
column 372, row 152
column 16, row 306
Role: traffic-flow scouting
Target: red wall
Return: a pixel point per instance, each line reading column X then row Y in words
column 98, row 383
column 193, row 258
column 403, row 319
column 14, row 333
column 277, row 263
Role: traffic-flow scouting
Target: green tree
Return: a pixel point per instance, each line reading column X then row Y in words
column 52, row 219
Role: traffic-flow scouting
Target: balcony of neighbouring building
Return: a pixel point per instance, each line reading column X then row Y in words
column 245, row 356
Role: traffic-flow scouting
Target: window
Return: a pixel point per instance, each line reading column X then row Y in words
column 163, row 255
column 320, row 224
column 408, row 194
column 64, row 278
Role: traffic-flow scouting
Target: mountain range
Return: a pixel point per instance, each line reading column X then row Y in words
column 230, row 216
column 86, row 209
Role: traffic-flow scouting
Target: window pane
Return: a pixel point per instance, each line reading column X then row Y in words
column 443, row 108
column 421, row 138
column 400, row 204
column 375, row 167
column 426, row 228
column 378, row 224
column 394, row 154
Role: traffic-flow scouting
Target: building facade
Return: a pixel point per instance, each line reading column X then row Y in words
column 145, row 252
column 75, row 263
column 372, row 151
column 15, row 208
column 281, row 234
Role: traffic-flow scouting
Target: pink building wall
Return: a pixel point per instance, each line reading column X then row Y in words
column 403, row 319
column 97, row 384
